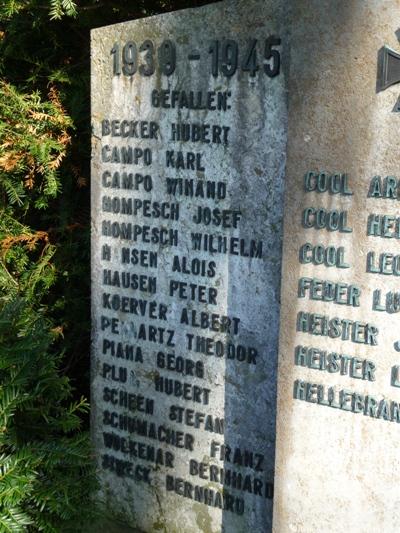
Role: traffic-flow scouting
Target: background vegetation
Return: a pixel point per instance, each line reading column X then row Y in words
column 46, row 466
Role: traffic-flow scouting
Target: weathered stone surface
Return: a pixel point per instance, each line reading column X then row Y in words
column 242, row 284
column 337, row 469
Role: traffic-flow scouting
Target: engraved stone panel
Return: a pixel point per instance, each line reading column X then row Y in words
column 189, row 133
column 338, row 393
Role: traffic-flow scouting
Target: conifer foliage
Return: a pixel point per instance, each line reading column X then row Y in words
column 46, row 471
column 47, row 474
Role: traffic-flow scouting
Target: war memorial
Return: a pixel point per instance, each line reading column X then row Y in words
column 245, row 258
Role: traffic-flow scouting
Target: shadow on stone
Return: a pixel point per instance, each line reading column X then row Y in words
column 108, row 526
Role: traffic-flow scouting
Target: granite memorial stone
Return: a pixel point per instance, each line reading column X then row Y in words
column 189, row 136
column 338, row 393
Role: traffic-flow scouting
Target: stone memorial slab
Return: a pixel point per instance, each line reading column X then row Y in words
column 189, row 135
column 338, row 393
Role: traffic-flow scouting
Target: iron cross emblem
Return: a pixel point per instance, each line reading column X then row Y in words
column 388, row 68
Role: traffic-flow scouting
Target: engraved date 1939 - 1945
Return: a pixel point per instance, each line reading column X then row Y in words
column 225, row 57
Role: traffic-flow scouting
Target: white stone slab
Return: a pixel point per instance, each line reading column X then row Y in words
column 247, row 114
column 337, row 464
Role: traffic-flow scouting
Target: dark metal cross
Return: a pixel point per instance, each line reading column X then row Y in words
column 388, row 68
